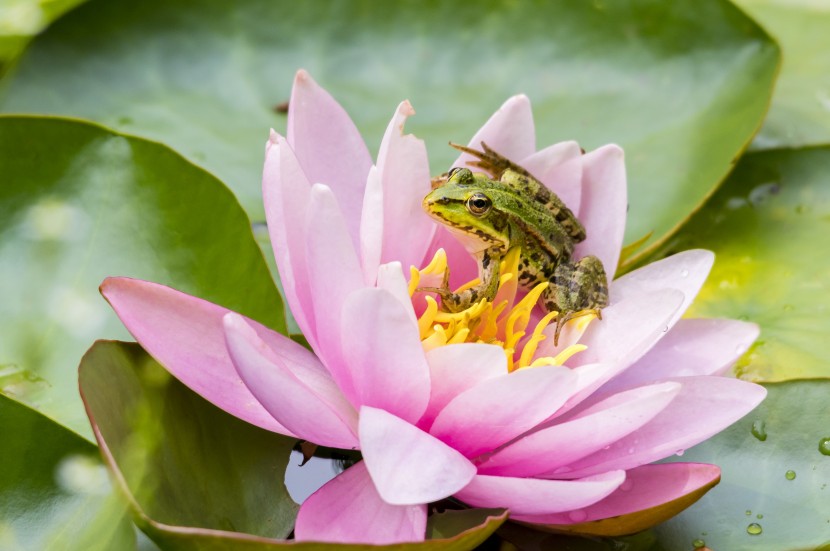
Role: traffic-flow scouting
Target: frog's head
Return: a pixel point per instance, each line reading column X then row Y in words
column 468, row 204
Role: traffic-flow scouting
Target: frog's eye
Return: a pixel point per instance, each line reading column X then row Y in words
column 453, row 171
column 479, row 204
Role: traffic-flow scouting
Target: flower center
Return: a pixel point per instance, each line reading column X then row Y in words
column 502, row 321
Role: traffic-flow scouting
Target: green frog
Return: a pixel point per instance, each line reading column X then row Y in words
column 491, row 214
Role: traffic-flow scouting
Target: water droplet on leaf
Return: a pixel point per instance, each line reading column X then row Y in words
column 824, row 446
column 790, row 475
column 748, row 512
column 759, row 430
column 697, row 544
column 754, row 529
column 684, row 273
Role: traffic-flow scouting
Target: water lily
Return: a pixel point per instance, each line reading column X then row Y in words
column 482, row 406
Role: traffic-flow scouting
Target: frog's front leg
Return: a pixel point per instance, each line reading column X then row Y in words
column 576, row 289
column 489, row 275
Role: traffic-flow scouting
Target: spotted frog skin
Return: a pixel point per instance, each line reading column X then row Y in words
column 493, row 213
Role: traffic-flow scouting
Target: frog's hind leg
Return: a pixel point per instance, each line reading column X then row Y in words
column 576, row 289
column 490, row 161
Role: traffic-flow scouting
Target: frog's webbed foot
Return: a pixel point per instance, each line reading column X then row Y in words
column 460, row 301
column 490, row 161
column 575, row 290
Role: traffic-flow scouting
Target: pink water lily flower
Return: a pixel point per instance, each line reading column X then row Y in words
column 494, row 412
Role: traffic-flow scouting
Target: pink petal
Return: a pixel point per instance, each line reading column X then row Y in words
column 312, row 407
column 383, row 355
column 186, row 336
column 500, row 409
column 704, row 407
column 645, row 487
column 604, row 205
column 628, row 328
column 533, row 496
column 328, row 146
column 559, row 167
column 407, row 465
column 334, row 272
column 391, row 279
column 371, row 227
column 510, row 131
column 684, row 271
column 459, row 367
column 404, row 173
column 286, row 193
column 348, row 509
column 692, row 347
column 590, row 431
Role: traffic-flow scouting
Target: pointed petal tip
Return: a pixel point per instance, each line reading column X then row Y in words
column 405, row 109
column 302, row 76
column 517, row 99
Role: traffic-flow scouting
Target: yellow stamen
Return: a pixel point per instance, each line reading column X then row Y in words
column 438, row 264
column 530, row 347
column 566, row 354
column 414, row 279
column 427, row 319
column 502, row 322
column 436, row 339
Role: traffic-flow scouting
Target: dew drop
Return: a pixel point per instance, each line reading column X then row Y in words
column 824, row 446
column 759, row 516
column 684, row 273
column 679, row 453
column 698, row 544
column 578, row 515
column 748, row 512
column 790, row 475
column 735, row 203
column 754, row 529
column 759, row 430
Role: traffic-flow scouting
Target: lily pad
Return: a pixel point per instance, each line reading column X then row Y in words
column 79, row 203
column 682, row 86
column 196, row 477
column 767, row 226
column 792, row 510
column 54, row 491
column 800, row 110
column 22, row 19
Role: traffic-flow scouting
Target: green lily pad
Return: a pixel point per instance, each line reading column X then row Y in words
column 681, row 85
column 800, row 110
column 767, row 226
column 54, row 492
column 755, row 487
column 196, row 477
column 22, row 19
column 79, row 203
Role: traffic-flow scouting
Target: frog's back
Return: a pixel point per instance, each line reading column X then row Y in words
column 530, row 187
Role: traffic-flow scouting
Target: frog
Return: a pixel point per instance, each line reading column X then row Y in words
column 501, row 207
